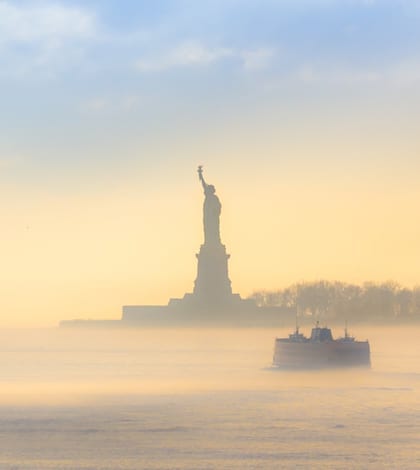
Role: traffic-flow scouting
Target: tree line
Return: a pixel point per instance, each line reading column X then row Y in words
column 334, row 300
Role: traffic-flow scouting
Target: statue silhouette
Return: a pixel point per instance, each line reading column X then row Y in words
column 211, row 212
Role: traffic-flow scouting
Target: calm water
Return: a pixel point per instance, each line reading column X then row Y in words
column 202, row 399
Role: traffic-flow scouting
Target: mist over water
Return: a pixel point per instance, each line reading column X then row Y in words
column 202, row 399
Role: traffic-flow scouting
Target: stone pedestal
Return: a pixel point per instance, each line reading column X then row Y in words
column 212, row 285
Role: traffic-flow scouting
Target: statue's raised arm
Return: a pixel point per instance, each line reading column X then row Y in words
column 211, row 212
column 200, row 176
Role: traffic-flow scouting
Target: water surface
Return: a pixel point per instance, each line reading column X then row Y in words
column 202, row 399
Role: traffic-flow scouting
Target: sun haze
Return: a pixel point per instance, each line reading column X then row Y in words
column 304, row 115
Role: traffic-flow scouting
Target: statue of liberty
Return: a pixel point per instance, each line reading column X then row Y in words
column 211, row 212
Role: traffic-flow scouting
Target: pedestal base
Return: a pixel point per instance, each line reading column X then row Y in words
column 212, row 286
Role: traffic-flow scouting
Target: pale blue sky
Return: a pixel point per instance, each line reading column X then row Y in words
column 91, row 82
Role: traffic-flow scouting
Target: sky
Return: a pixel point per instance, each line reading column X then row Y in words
column 303, row 113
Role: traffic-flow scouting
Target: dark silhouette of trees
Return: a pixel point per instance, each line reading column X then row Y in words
column 334, row 300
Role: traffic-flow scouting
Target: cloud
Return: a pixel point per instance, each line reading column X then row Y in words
column 401, row 74
column 333, row 73
column 186, row 54
column 95, row 105
column 111, row 104
column 257, row 58
column 194, row 53
column 41, row 38
column 42, row 22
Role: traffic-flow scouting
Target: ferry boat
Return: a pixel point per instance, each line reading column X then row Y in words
column 320, row 350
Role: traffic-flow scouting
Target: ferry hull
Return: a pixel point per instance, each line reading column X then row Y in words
column 313, row 355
